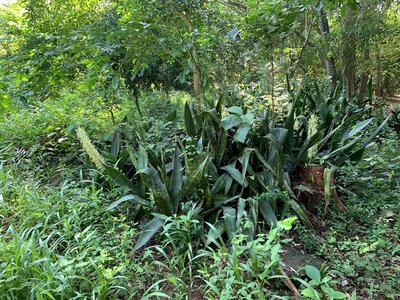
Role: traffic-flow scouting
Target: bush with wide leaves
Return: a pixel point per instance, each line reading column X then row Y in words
column 226, row 157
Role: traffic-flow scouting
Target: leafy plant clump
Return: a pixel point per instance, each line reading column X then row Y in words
column 226, row 156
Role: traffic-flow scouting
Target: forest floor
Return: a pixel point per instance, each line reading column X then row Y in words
column 393, row 101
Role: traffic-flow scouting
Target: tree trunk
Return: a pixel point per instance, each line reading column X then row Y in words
column 195, row 67
column 329, row 60
column 364, row 77
column 349, row 53
column 196, row 80
column 378, row 84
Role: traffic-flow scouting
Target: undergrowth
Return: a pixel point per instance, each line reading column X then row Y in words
column 58, row 240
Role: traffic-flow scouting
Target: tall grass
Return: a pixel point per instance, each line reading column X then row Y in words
column 59, row 243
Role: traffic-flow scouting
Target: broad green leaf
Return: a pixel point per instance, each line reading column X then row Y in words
column 219, row 185
column 119, row 178
column 148, row 231
column 235, row 110
column 358, row 127
column 299, row 211
column 326, row 138
column 235, row 174
column 160, row 193
column 241, row 133
column 228, row 185
column 210, row 132
column 375, row 133
column 221, row 147
column 314, row 294
column 248, row 118
column 267, row 212
column 171, row 116
column 287, row 223
column 290, row 120
column 327, row 184
column 230, row 121
column 313, row 273
column 229, row 221
column 176, row 179
column 115, row 144
column 308, row 293
column 332, row 294
column 222, row 199
column 189, row 122
column 194, row 179
column 263, row 161
column 348, row 146
column 134, row 198
column 115, row 83
column 245, row 162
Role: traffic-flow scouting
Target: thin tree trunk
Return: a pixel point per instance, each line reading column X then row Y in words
column 364, row 77
column 378, row 84
column 349, row 53
column 273, row 93
column 195, row 68
column 196, row 80
column 329, row 61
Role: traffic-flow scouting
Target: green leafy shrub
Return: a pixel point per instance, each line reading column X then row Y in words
column 228, row 155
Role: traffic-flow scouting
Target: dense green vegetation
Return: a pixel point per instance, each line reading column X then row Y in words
column 199, row 149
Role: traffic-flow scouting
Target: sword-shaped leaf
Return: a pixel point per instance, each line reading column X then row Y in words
column 148, row 231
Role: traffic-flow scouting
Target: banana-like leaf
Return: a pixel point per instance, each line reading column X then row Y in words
column 189, row 122
column 148, row 231
column 119, row 178
column 176, row 179
column 248, row 118
column 134, row 198
column 214, row 235
column 133, row 159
